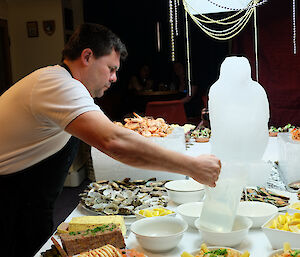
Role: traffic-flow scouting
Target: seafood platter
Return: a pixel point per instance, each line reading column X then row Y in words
column 124, row 197
column 147, row 126
column 261, row 194
column 273, row 131
column 157, row 130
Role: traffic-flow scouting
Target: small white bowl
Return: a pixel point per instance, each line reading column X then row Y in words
column 292, row 210
column 215, row 248
column 190, row 212
column 277, row 237
column 280, row 251
column 258, row 212
column 240, row 230
column 184, row 191
column 140, row 216
column 159, row 234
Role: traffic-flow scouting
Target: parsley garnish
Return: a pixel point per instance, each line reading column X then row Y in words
column 295, row 254
column 216, row 252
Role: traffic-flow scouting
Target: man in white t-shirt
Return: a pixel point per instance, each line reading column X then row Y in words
column 42, row 116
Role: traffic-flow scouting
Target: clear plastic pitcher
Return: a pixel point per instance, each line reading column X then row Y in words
column 221, row 202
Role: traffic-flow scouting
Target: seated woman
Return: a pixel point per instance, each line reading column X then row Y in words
column 142, row 81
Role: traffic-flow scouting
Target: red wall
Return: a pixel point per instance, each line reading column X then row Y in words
column 279, row 68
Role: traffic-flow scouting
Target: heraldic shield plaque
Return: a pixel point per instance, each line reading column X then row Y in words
column 49, row 27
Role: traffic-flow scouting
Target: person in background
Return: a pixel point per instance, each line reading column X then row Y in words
column 204, row 118
column 42, row 117
column 192, row 103
column 142, row 81
column 205, row 113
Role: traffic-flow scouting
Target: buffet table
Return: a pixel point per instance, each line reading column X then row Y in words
column 256, row 242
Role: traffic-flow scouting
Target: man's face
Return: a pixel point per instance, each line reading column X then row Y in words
column 101, row 73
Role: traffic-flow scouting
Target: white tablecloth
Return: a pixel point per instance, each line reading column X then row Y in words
column 256, row 242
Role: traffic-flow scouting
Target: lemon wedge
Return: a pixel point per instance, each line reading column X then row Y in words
column 186, row 254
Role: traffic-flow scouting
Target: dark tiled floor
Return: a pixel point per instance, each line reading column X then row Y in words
column 67, row 201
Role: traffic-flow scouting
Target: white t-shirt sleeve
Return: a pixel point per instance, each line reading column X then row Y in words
column 60, row 101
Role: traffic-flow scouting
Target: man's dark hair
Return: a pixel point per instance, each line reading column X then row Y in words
column 97, row 37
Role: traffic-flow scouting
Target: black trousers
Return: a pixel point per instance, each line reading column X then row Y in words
column 27, row 202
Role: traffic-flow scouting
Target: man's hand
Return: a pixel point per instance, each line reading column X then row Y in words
column 207, row 169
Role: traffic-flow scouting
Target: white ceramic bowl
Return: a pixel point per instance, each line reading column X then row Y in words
column 184, row 191
column 291, row 208
column 258, row 212
column 280, row 251
column 190, row 212
column 159, row 234
column 277, row 237
column 240, row 230
column 140, row 216
column 214, row 248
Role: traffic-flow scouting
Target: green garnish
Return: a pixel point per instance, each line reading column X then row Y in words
column 295, row 254
column 109, row 227
column 216, row 252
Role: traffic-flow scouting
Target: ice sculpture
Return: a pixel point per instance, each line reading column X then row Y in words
column 239, row 115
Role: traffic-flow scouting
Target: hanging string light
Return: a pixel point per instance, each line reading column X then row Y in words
column 228, row 27
column 188, row 55
column 176, row 17
column 235, row 9
column 294, row 27
column 172, row 30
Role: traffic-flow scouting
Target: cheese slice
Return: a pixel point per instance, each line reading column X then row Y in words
column 83, row 223
column 63, row 228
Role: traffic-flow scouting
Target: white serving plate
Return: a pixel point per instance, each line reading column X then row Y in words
column 280, row 251
column 214, row 248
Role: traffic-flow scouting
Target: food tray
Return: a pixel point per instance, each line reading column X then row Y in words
column 123, row 197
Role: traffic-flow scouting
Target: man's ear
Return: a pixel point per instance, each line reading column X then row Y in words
column 86, row 56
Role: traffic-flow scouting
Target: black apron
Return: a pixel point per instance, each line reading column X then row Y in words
column 27, row 202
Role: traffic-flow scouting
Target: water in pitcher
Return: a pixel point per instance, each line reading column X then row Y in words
column 221, row 202
column 239, row 115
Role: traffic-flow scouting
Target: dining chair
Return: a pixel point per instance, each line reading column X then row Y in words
column 171, row 111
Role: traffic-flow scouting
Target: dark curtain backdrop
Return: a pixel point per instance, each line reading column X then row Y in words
column 279, row 68
column 134, row 21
